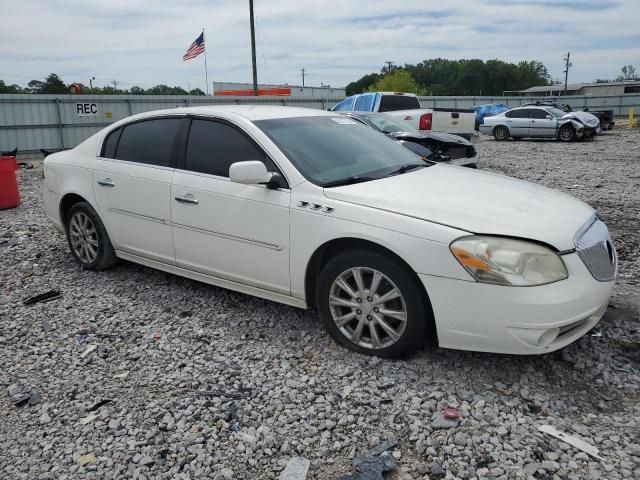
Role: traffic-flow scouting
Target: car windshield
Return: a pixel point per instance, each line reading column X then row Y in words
column 556, row 112
column 335, row 150
column 388, row 124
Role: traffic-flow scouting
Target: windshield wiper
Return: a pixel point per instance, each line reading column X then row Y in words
column 405, row 168
column 348, row 181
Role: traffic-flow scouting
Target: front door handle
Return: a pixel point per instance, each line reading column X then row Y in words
column 106, row 183
column 187, row 199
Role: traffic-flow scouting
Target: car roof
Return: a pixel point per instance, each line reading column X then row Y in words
column 250, row 112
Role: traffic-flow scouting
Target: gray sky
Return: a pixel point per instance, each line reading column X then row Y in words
column 142, row 42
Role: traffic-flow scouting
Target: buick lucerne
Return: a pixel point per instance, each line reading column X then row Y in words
column 314, row 210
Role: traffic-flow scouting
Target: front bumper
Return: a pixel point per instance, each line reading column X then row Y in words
column 517, row 320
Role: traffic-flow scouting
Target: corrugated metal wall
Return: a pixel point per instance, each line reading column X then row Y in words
column 31, row 122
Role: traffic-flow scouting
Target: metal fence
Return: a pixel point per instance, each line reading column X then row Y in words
column 32, row 122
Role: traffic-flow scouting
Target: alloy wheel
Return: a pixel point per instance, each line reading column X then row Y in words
column 84, row 238
column 368, row 308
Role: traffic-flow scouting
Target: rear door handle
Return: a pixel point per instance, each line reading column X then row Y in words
column 106, row 183
column 187, row 199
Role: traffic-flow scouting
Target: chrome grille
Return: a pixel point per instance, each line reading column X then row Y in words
column 595, row 249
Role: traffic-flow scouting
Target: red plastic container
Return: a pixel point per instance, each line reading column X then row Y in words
column 9, row 194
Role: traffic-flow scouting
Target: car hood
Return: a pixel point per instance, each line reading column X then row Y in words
column 477, row 202
column 583, row 117
column 446, row 138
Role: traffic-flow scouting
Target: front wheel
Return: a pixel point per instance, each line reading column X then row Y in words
column 372, row 304
column 501, row 133
column 567, row 133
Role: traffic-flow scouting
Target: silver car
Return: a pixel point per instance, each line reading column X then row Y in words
column 546, row 122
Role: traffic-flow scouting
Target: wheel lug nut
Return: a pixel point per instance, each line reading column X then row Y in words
column 359, row 300
column 359, row 312
column 376, row 309
column 369, row 299
column 369, row 317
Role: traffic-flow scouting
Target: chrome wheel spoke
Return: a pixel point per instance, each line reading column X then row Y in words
column 357, row 276
column 346, row 287
column 357, row 333
column 390, row 295
column 387, row 328
column 373, row 332
column 345, row 319
column 342, row 302
column 375, row 283
column 397, row 314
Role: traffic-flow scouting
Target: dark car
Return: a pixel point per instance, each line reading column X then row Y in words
column 435, row 146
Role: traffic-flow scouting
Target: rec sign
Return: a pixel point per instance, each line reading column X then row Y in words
column 87, row 109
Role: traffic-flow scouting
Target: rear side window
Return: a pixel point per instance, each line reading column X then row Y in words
column 149, row 142
column 522, row 113
column 110, row 144
column 214, row 146
column 390, row 103
column 344, row 106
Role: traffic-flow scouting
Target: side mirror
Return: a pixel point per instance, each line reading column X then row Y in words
column 249, row 173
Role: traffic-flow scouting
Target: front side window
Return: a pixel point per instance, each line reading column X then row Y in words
column 538, row 113
column 328, row 149
column 214, row 146
column 149, row 141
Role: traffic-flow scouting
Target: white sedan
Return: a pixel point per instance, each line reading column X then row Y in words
column 314, row 210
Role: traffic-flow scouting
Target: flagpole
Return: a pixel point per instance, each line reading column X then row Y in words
column 206, row 73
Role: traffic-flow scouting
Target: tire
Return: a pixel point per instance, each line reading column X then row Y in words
column 88, row 239
column 566, row 133
column 501, row 133
column 411, row 319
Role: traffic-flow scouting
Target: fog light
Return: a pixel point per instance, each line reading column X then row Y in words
column 548, row 337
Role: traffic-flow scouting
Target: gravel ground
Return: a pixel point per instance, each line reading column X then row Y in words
column 135, row 373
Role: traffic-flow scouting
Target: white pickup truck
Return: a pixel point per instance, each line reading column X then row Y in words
column 406, row 106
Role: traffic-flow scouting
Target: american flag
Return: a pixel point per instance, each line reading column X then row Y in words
column 196, row 48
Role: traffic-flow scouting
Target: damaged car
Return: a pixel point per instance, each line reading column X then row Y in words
column 541, row 122
column 435, row 146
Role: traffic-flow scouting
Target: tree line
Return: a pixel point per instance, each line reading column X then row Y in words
column 54, row 84
column 440, row 76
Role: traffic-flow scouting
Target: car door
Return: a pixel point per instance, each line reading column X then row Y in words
column 542, row 123
column 228, row 230
column 132, row 186
column 518, row 122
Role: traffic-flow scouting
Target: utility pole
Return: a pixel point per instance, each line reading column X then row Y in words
column 91, row 84
column 389, row 64
column 566, row 72
column 253, row 50
column 115, row 85
column 303, row 75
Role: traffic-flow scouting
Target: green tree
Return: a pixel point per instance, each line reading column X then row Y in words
column 396, row 81
column 135, row 90
column 52, row 84
column 361, row 84
column 166, row 90
column 4, row 88
column 196, row 91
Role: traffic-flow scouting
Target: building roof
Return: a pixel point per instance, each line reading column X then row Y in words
column 577, row 86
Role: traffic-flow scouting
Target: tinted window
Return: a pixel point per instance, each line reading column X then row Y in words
column 390, row 103
column 521, row 113
column 150, row 141
column 214, row 146
column 538, row 113
column 109, row 146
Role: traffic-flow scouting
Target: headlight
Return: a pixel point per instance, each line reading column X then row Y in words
column 506, row 261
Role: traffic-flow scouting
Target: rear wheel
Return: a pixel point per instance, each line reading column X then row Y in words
column 501, row 133
column 567, row 133
column 88, row 239
column 370, row 303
